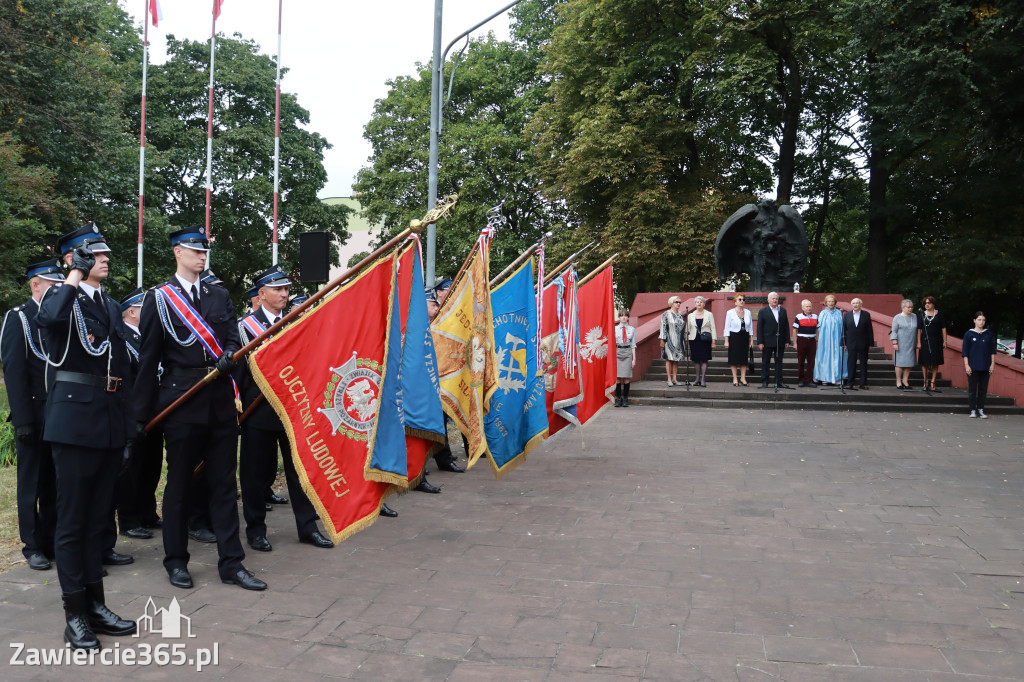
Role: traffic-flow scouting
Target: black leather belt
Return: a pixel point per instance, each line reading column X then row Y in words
column 109, row 384
column 187, row 371
column 617, row 346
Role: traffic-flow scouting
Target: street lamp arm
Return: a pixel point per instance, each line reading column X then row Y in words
column 444, row 55
column 466, row 33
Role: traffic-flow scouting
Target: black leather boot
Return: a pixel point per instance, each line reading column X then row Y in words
column 102, row 619
column 78, row 633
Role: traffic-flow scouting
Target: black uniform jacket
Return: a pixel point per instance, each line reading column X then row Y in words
column 24, row 372
column 215, row 402
column 77, row 413
column 134, row 340
column 263, row 417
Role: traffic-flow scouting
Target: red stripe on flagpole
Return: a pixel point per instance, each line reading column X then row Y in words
column 209, row 116
column 277, row 131
column 142, row 137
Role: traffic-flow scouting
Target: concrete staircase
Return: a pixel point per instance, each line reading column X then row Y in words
column 881, row 396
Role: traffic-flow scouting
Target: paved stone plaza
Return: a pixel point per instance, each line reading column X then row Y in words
column 797, row 546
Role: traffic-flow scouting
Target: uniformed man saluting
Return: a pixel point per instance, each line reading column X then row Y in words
column 188, row 326
column 89, row 421
column 263, row 433
column 24, row 375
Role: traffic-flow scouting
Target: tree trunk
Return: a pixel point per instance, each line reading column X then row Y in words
column 793, row 98
column 1020, row 325
column 878, row 222
column 812, row 268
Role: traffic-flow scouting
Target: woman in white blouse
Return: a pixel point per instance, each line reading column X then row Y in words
column 738, row 340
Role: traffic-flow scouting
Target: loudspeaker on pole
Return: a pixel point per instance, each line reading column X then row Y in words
column 314, row 257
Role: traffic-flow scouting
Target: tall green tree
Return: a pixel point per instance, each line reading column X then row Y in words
column 634, row 141
column 925, row 70
column 65, row 65
column 28, row 212
column 484, row 154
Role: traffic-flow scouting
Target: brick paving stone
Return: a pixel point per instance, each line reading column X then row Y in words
column 513, row 651
column 629, row 637
column 388, row 666
column 808, row 650
column 369, row 636
column 560, row 676
column 561, row 630
column 672, row 667
column 435, row 619
column 995, row 663
column 916, row 657
column 470, row 671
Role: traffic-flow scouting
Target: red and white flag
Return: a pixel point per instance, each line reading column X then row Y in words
column 155, row 12
column 216, row 8
column 597, row 347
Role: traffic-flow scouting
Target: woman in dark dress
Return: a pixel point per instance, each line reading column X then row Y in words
column 701, row 335
column 931, row 341
column 737, row 339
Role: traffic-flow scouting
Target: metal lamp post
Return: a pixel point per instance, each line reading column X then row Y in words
column 436, row 107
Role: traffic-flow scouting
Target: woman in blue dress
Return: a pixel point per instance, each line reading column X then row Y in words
column 829, row 363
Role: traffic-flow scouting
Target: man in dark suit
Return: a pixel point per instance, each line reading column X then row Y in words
column 772, row 338
column 189, row 328
column 88, row 422
column 858, row 338
column 263, row 433
column 24, row 375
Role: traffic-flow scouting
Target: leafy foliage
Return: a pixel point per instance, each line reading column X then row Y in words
column 242, row 200
column 483, row 152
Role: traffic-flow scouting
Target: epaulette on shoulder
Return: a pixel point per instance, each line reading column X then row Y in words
column 17, row 308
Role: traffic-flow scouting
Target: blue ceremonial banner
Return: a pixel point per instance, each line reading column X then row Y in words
column 424, row 416
column 517, row 421
column 411, row 423
column 386, row 463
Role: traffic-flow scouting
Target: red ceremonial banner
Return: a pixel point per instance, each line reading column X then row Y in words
column 323, row 375
column 562, row 392
column 597, row 348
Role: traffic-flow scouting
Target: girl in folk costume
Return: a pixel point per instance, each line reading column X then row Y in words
column 625, row 358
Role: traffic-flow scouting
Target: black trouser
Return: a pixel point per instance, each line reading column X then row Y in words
column 854, row 356
column 135, row 492
column 150, row 463
column 85, row 493
column 805, row 350
column 37, row 496
column 766, row 357
column 198, row 504
column 216, row 444
column 258, row 469
column 977, row 389
column 445, row 454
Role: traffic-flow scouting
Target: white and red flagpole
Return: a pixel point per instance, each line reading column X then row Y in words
column 151, row 6
column 209, row 119
column 277, row 132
